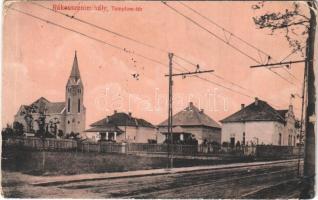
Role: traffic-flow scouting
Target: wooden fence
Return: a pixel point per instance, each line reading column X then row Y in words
column 263, row 151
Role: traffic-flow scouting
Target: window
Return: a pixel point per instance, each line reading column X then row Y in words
column 68, row 105
column 279, row 139
column 79, row 105
column 243, row 142
column 79, row 91
column 68, row 122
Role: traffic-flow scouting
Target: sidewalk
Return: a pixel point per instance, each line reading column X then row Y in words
column 56, row 180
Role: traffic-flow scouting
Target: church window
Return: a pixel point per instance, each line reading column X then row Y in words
column 68, row 105
column 79, row 105
column 279, row 139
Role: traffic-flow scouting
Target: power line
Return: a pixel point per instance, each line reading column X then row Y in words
column 223, row 40
column 231, row 34
column 134, row 40
column 88, row 36
column 120, row 48
column 112, row 32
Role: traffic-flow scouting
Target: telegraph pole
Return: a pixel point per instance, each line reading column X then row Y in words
column 170, row 122
column 170, row 141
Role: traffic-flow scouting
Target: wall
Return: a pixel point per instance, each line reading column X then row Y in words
column 266, row 132
column 137, row 134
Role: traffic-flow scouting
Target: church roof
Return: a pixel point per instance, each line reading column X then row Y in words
column 55, row 107
column 191, row 116
column 51, row 107
column 257, row 111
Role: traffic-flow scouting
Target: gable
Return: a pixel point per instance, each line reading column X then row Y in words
column 191, row 116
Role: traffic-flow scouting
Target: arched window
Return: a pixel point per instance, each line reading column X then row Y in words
column 68, row 105
column 243, row 142
column 279, row 139
column 79, row 105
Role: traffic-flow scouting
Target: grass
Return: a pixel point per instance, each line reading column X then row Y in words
column 68, row 163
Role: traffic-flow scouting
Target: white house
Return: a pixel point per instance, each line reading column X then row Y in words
column 122, row 127
column 260, row 123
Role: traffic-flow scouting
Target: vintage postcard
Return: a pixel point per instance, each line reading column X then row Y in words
column 159, row 99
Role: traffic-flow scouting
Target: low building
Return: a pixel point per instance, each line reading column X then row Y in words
column 122, row 127
column 260, row 123
column 191, row 124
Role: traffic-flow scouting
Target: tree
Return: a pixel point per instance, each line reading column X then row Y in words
column 292, row 22
column 7, row 132
column 18, row 128
column 28, row 117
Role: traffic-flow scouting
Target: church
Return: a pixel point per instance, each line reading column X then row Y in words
column 61, row 118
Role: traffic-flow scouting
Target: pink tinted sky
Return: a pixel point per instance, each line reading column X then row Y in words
column 37, row 59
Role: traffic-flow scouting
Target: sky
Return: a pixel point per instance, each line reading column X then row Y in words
column 38, row 56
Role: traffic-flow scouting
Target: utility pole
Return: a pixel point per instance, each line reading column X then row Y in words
column 310, row 116
column 170, row 141
column 170, row 121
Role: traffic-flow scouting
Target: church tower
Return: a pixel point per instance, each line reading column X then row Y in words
column 74, row 108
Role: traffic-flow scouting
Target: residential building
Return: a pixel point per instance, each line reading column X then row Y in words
column 191, row 123
column 61, row 118
column 122, row 127
column 260, row 123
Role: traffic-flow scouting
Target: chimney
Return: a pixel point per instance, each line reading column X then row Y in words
column 115, row 111
column 242, row 106
column 129, row 114
column 202, row 111
column 191, row 104
column 256, row 101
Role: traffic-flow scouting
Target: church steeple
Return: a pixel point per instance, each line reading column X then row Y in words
column 74, row 96
column 75, row 73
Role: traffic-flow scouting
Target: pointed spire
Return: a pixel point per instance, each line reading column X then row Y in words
column 75, row 73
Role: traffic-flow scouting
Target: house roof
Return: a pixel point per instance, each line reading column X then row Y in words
column 106, row 128
column 257, row 111
column 123, row 119
column 191, row 116
column 176, row 129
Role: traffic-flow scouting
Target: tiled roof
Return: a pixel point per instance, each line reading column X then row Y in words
column 176, row 129
column 191, row 116
column 104, row 129
column 51, row 107
column 256, row 111
column 123, row 119
column 55, row 107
